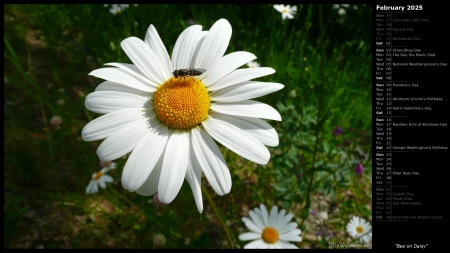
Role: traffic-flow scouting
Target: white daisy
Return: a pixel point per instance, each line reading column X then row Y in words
column 100, row 178
column 270, row 231
column 341, row 8
column 342, row 11
column 286, row 10
column 117, row 8
column 359, row 228
column 253, row 64
column 167, row 122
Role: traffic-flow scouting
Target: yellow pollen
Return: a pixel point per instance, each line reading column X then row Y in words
column 98, row 175
column 270, row 235
column 181, row 102
column 285, row 11
column 359, row 229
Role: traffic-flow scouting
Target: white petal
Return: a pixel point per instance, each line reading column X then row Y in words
column 197, row 49
column 101, row 182
column 135, row 72
column 122, row 141
column 245, row 90
column 214, row 45
column 257, row 219
column 261, row 216
column 95, row 187
column 110, row 101
column 211, row 161
column 239, row 76
column 145, row 59
column 249, row 236
column 284, row 221
column 251, row 225
column 237, row 140
column 226, row 65
column 257, row 128
column 194, row 177
column 287, row 228
column 257, row 244
column 265, row 214
column 173, row 172
column 247, row 108
column 290, row 237
column 292, row 232
column 144, row 157
column 157, row 46
column 112, row 86
column 278, row 7
column 150, row 186
column 273, row 216
column 89, row 187
column 103, row 126
column 185, row 46
column 118, row 76
column 280, row 217
column 105, row 170
column 277, row 246
column 286, row 245
column 107, row 179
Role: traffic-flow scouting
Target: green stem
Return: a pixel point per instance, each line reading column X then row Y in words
column 322, row 55
column 213, row 206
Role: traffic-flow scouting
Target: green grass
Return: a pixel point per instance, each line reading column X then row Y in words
column 49, row 51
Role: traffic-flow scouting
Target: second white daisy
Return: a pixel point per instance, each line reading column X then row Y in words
column 167, row 120
column 270, row 231
column 100, row 178
column 359, row 228
column 286, row 10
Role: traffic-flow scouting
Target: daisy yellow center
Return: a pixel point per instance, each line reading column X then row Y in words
column 181, row 102
column 359, row 229
column 270, row 235
column 285, row 11
column 98, row 175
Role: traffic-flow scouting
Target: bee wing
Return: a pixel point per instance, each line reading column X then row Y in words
column 200, row 70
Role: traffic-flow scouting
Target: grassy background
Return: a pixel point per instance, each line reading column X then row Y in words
column 50, row 49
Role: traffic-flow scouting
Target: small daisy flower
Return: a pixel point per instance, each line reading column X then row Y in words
column 117, row 8
column 169, row 120
column 360, row 228
column 253, row 64
column 270, row 231
column 56, row 121
column 286, row 10
column 100, row 178
column 341, row 8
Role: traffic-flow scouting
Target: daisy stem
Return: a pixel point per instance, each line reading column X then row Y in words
column 322, row 55
column 213, row 206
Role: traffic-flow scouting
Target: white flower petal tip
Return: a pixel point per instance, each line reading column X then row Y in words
column 174, row 166
column 247, row 108
column 237, row 140
column 271, row 231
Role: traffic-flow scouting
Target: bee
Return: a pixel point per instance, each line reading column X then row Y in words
column 188, row 72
